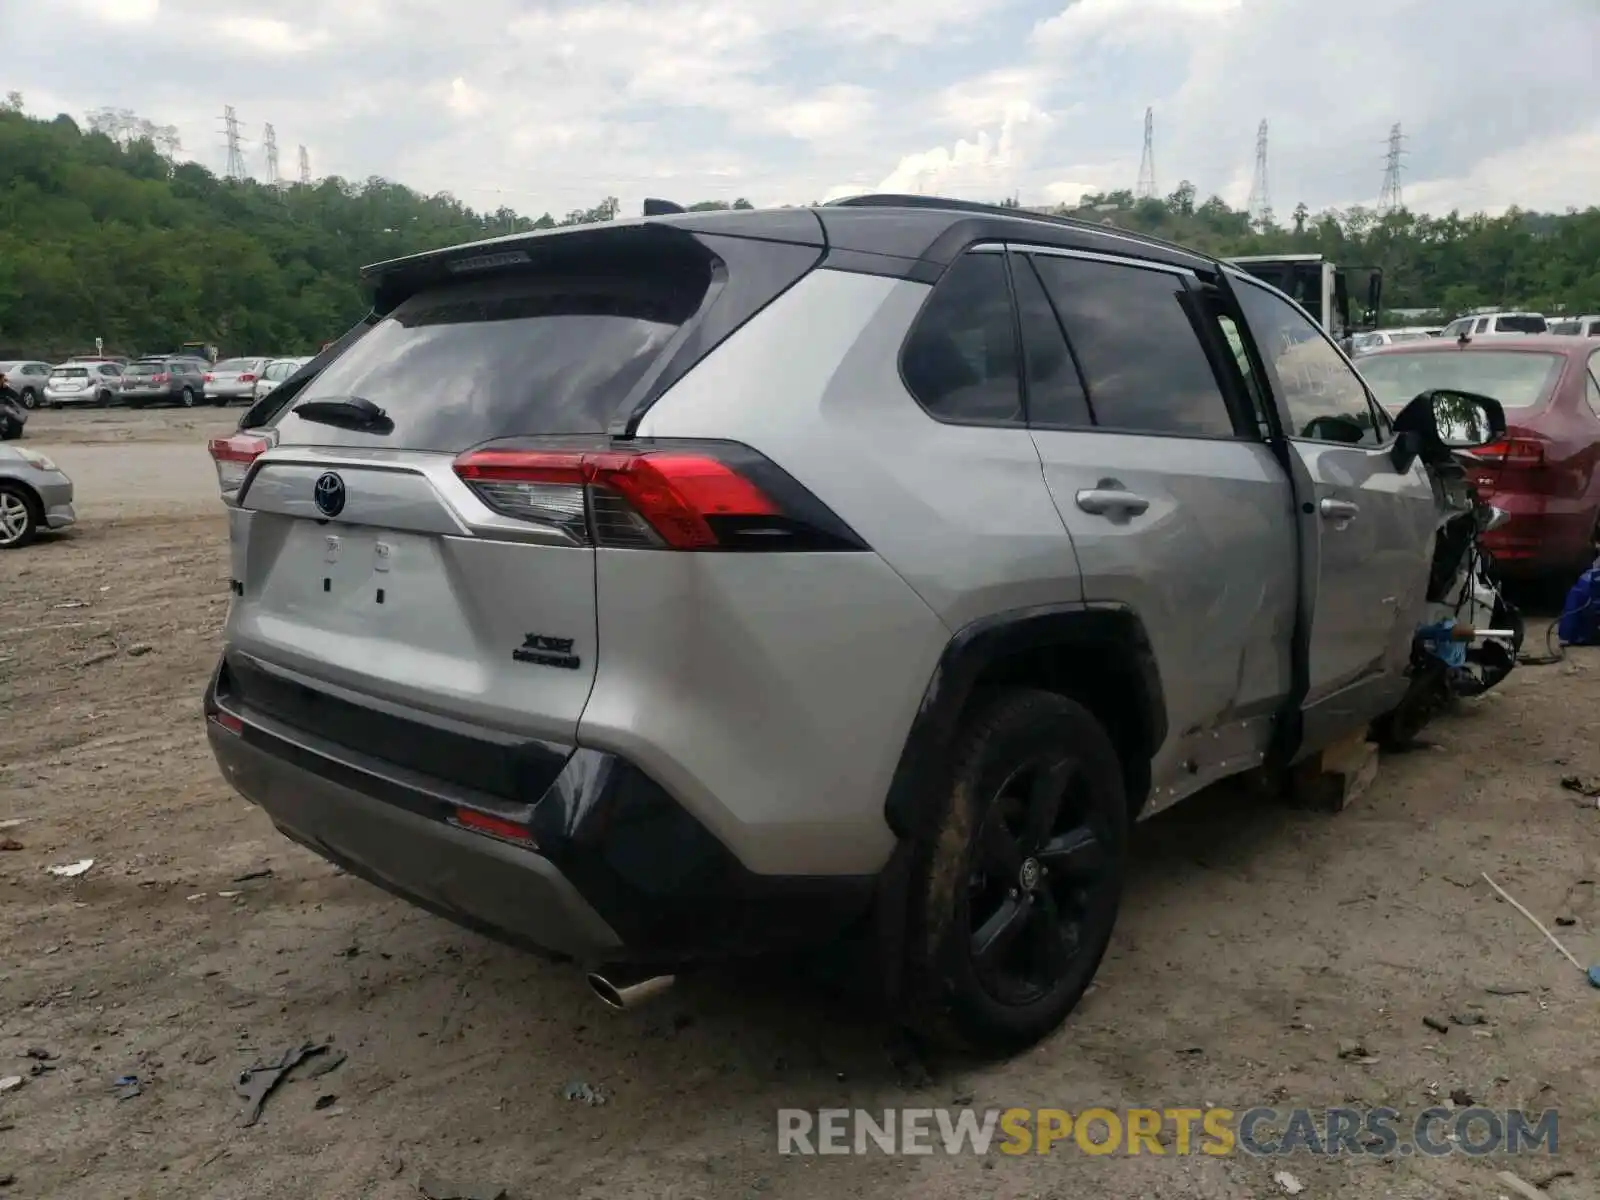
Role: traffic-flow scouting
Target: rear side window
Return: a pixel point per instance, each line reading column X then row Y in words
column 518, row 355
column 1130, row 330
column 1519, row 324
column 1055, row 392
column 960, row 361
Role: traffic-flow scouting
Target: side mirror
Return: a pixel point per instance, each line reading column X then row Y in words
column 1443, row 420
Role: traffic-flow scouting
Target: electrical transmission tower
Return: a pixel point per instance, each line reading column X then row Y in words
column 1389, row 199
column 305, row 166
column 230, row 123
column 269, row 141
column 1260, row 203
column 1146, row 189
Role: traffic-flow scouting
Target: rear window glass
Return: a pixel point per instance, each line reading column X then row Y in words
column 1518, row 379
column 1565, row 327
column 235, row 364
column 144, row 369
column 72, row 372
column 1519, row 324
column 519, row 355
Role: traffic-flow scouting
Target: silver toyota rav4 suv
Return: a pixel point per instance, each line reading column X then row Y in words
column 713, row 584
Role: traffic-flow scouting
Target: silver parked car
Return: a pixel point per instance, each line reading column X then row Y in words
column 35, row 494
column 27, row 378
column 234, row 379
column 275, row 372
column 83, row 381
column 713, row 584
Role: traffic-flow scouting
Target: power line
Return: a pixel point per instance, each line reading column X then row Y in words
column 1260, row 202
column 269, row 140
column 230, row 122
column 1390, row 199
column 1146, row 188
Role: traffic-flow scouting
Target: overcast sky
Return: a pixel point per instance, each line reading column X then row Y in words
column 554, row 104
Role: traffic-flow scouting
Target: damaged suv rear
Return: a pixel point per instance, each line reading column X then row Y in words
column 725, row 583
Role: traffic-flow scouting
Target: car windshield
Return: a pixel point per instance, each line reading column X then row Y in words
column 1516, row 378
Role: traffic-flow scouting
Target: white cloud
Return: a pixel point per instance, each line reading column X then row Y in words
column 553, row 104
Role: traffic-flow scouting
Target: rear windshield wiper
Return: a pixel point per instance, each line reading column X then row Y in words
column 346, row 412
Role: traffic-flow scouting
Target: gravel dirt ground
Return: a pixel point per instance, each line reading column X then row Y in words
column 1255, row 941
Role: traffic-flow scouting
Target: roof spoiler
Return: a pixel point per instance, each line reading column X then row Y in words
column 661, row 208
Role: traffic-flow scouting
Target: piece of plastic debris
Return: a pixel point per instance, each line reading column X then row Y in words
column 584, row 1094
column 1437, row 1025
column 12, row 822
column 1288, row 1183
column 229, row 895
column 73, row 869
column 196, row 896
column 435, row 1188
column 127, row 1087
column 11, row 1083
column 263, row 873
column 71, row 604
column 40, row 1053
column 139, row 649
column 1594, row 976
column 256, row 1083
column 1520, row 1186
column 326, row 1100
column 331, row 1061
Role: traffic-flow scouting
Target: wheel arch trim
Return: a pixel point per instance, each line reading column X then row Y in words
column 987, row 640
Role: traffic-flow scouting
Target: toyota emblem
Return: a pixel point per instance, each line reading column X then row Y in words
column 328, row 493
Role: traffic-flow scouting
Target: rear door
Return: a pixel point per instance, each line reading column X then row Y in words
column 367, row 565
column 1376, row 526
column 1176, row 506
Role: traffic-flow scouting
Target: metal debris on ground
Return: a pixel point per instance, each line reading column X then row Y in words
column 126, row 1087
column 257, row 1082
column 435, row 1188
column 71, row 870
column 584, row 1094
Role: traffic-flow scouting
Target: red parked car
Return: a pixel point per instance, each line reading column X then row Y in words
column 1546, row 472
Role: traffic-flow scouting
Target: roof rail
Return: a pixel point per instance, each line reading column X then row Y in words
column 894, row 200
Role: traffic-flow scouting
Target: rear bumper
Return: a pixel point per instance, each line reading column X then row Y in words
column 230, row 391
column 1530, row 544
column 617, row 871
column 78, row 396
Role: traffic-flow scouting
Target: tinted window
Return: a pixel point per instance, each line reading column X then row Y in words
column 1134, row 341
column 1055, row 393
column 72, row 372
column 961, row 359
column 110, row 369
column 1516, row 378
column 1519, row 324
column 1323, row 394
column 1563, row 327
column 519, row 355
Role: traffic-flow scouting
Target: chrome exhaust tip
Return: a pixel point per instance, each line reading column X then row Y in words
column 622, row 989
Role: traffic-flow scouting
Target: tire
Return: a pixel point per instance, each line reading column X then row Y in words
column 186, row 398
column 20, row 517
column 30, row 398
column 103, row 400
column 998, row 951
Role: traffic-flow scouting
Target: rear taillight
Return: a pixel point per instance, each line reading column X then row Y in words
column 659, row 495
column 162, row 378
column 247, row 377
column 1520, row 453
column 234, row 456
column 208, row 377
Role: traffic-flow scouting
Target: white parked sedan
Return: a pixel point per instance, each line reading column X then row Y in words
column 275, row 373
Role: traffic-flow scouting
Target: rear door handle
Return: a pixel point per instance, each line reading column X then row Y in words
column 1101, row 501
column 1338, row 510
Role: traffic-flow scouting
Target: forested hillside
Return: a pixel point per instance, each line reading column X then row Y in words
column 104, row 235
